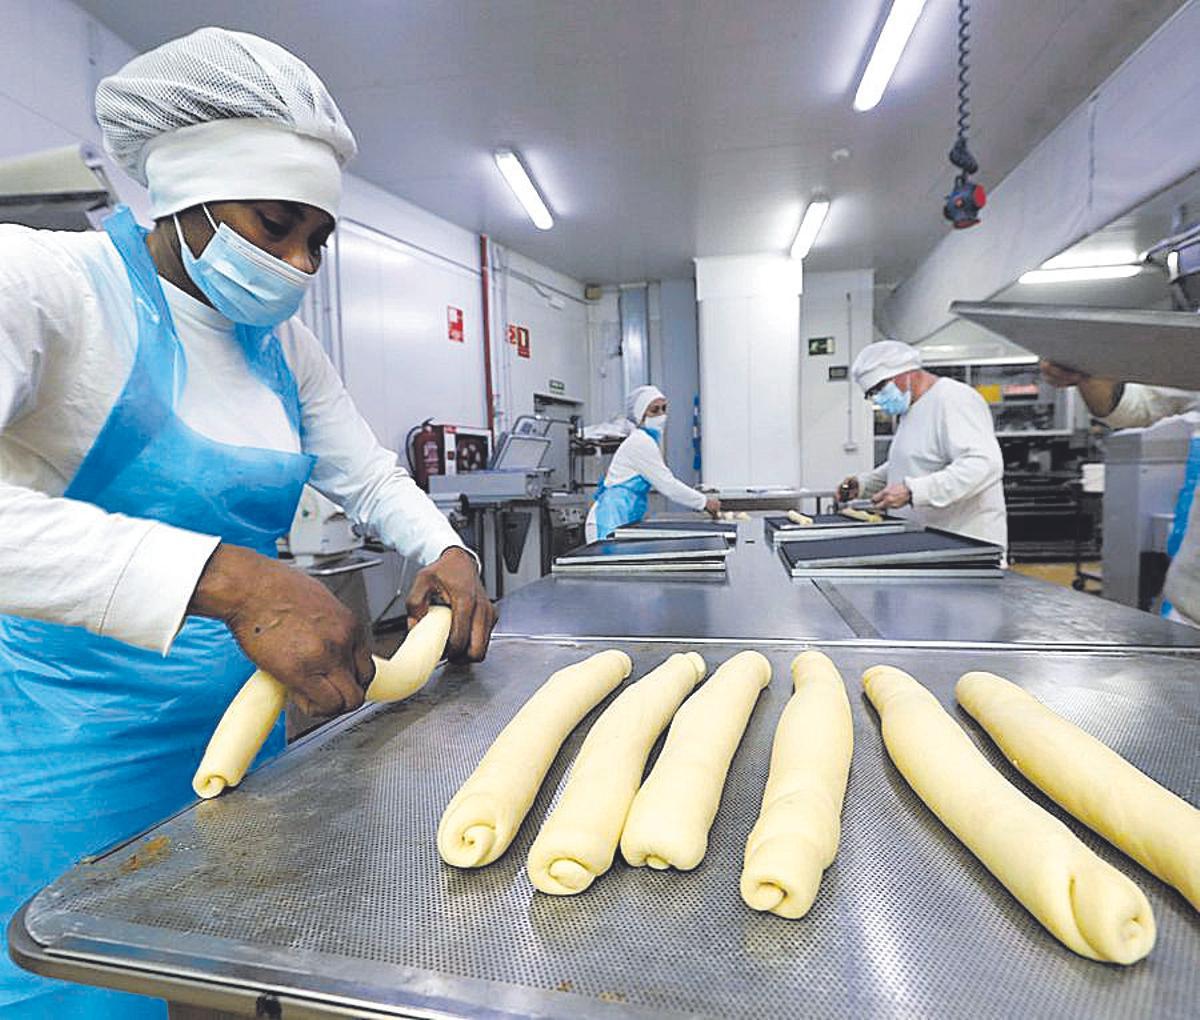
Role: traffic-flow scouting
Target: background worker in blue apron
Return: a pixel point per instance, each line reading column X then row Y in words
column 637, row 467
column 160, row 412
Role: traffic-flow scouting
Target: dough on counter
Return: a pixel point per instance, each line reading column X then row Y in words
column 1085, row 777
column 796, row 517
column 240, row 734
column 862, row 515
column 409, row 669
column 742, row 516
column 483, row 817
column 670, row 817
column 579, row 837
column 251, row 714
column 1083, row 901
column 796, row 836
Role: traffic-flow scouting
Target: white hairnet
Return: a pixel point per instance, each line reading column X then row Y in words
column 639, row 399
column 883, row 360
column 215, row 75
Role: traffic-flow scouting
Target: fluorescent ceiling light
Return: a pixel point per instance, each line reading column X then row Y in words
column 523, row 187
column 901, row 20
column 1080, row 274
column 810, row 226
column 1094, row 257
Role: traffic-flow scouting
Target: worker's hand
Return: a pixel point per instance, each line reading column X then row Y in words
column 1060, row 375
column 848, row 490
column 713, row 507
column 289, row 625
column 453, row 580
column 896, row 495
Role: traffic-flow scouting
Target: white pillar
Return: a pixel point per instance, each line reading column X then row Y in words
column 749, row 313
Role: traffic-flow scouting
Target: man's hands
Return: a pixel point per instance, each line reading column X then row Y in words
column 713, row 507
column 290, row 626
column 453, row 580
column 894, row 496
column 848, row 490
column 1101, row 395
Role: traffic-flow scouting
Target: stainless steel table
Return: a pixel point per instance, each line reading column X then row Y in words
column 758, row 600
column 315, row 888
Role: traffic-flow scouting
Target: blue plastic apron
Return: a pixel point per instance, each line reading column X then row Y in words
column 623, row 502
column 1183, row 505
column 99, row 739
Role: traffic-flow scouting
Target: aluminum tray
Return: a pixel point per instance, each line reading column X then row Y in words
column 315, row 889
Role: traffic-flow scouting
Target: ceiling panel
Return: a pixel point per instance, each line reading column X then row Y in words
column 666, row 129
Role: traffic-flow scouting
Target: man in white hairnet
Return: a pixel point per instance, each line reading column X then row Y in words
column 160, row 412
column 637, row 467
column 944, row 468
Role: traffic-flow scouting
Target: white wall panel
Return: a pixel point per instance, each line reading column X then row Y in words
column 833, row 414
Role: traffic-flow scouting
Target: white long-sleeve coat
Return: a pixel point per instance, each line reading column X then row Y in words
column 67, row 342
column 639, row 454
column 945, row 451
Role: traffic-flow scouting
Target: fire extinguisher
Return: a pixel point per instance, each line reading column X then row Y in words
column 424, row 450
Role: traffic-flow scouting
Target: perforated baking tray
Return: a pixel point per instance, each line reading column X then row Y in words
column 316, row 889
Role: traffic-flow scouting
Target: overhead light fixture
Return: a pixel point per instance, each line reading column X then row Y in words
column 810, row 226
column 1080, row 274
column 901, row 21
column 1090, row 258
column 523, row 187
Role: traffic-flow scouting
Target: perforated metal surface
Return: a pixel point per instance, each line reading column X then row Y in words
column 320, row 876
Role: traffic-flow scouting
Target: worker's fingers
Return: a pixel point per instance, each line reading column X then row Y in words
column 364, row 662
column 345, row 683
column 317, row 694
column 420, row 595
column 462, row 610
column 482, row 622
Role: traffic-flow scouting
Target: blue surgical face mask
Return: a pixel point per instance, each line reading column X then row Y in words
column 892, row 399
column 243, row 282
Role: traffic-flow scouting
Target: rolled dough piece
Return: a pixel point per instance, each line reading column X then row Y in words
column 670, row 817
column 409, row 669
column 240, row 734
column 579, row 837
column 796, row 517
column 742, row 516
column 484, row 815
column 1085, row 777
column 796, row 836
column 251, row 714
column 1084, row 902
column 861, row 515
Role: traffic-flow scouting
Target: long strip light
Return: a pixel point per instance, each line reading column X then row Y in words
column 901, row 21
column 810, row 226
column 524, row 188
column 1080, row 274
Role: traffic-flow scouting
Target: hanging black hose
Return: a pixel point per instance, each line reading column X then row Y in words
column 966, row 198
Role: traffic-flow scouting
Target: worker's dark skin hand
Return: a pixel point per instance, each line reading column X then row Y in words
column 289, row 625
column 453, row 580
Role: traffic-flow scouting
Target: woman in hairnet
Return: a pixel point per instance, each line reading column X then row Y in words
column 637, row 467
column 944, row 467
column 160, row 411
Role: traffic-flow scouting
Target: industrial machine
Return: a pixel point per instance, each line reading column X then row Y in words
column 438, row 449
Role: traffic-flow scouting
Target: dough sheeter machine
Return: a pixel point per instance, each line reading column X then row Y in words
column 315, row 889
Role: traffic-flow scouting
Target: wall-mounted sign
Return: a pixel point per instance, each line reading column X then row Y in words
column 839, row 372
column 454, row 324
column 820, row 345
column 523, row 342
column 512, row 334
column 557, row 386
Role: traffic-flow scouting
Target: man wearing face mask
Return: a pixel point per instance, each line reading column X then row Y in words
column 944, row 468
column 637, row 467
column 160, row 412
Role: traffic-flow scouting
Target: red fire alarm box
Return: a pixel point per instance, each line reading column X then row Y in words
column 522, row 342
column 454, row 324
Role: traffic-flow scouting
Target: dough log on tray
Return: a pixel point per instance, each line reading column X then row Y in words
column 252, row 713
column 670, row 817
column 483, row 817
column 1084, row 902
column 1091, row 781
column 796, row 517
column 796, row 836
column 866, row 516
column 579, row 837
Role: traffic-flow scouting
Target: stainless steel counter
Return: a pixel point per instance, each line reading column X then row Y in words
column 757, row 600
column 315, row 888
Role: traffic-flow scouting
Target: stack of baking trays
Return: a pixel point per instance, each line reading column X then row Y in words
column 878, row 547
column 650, row 547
